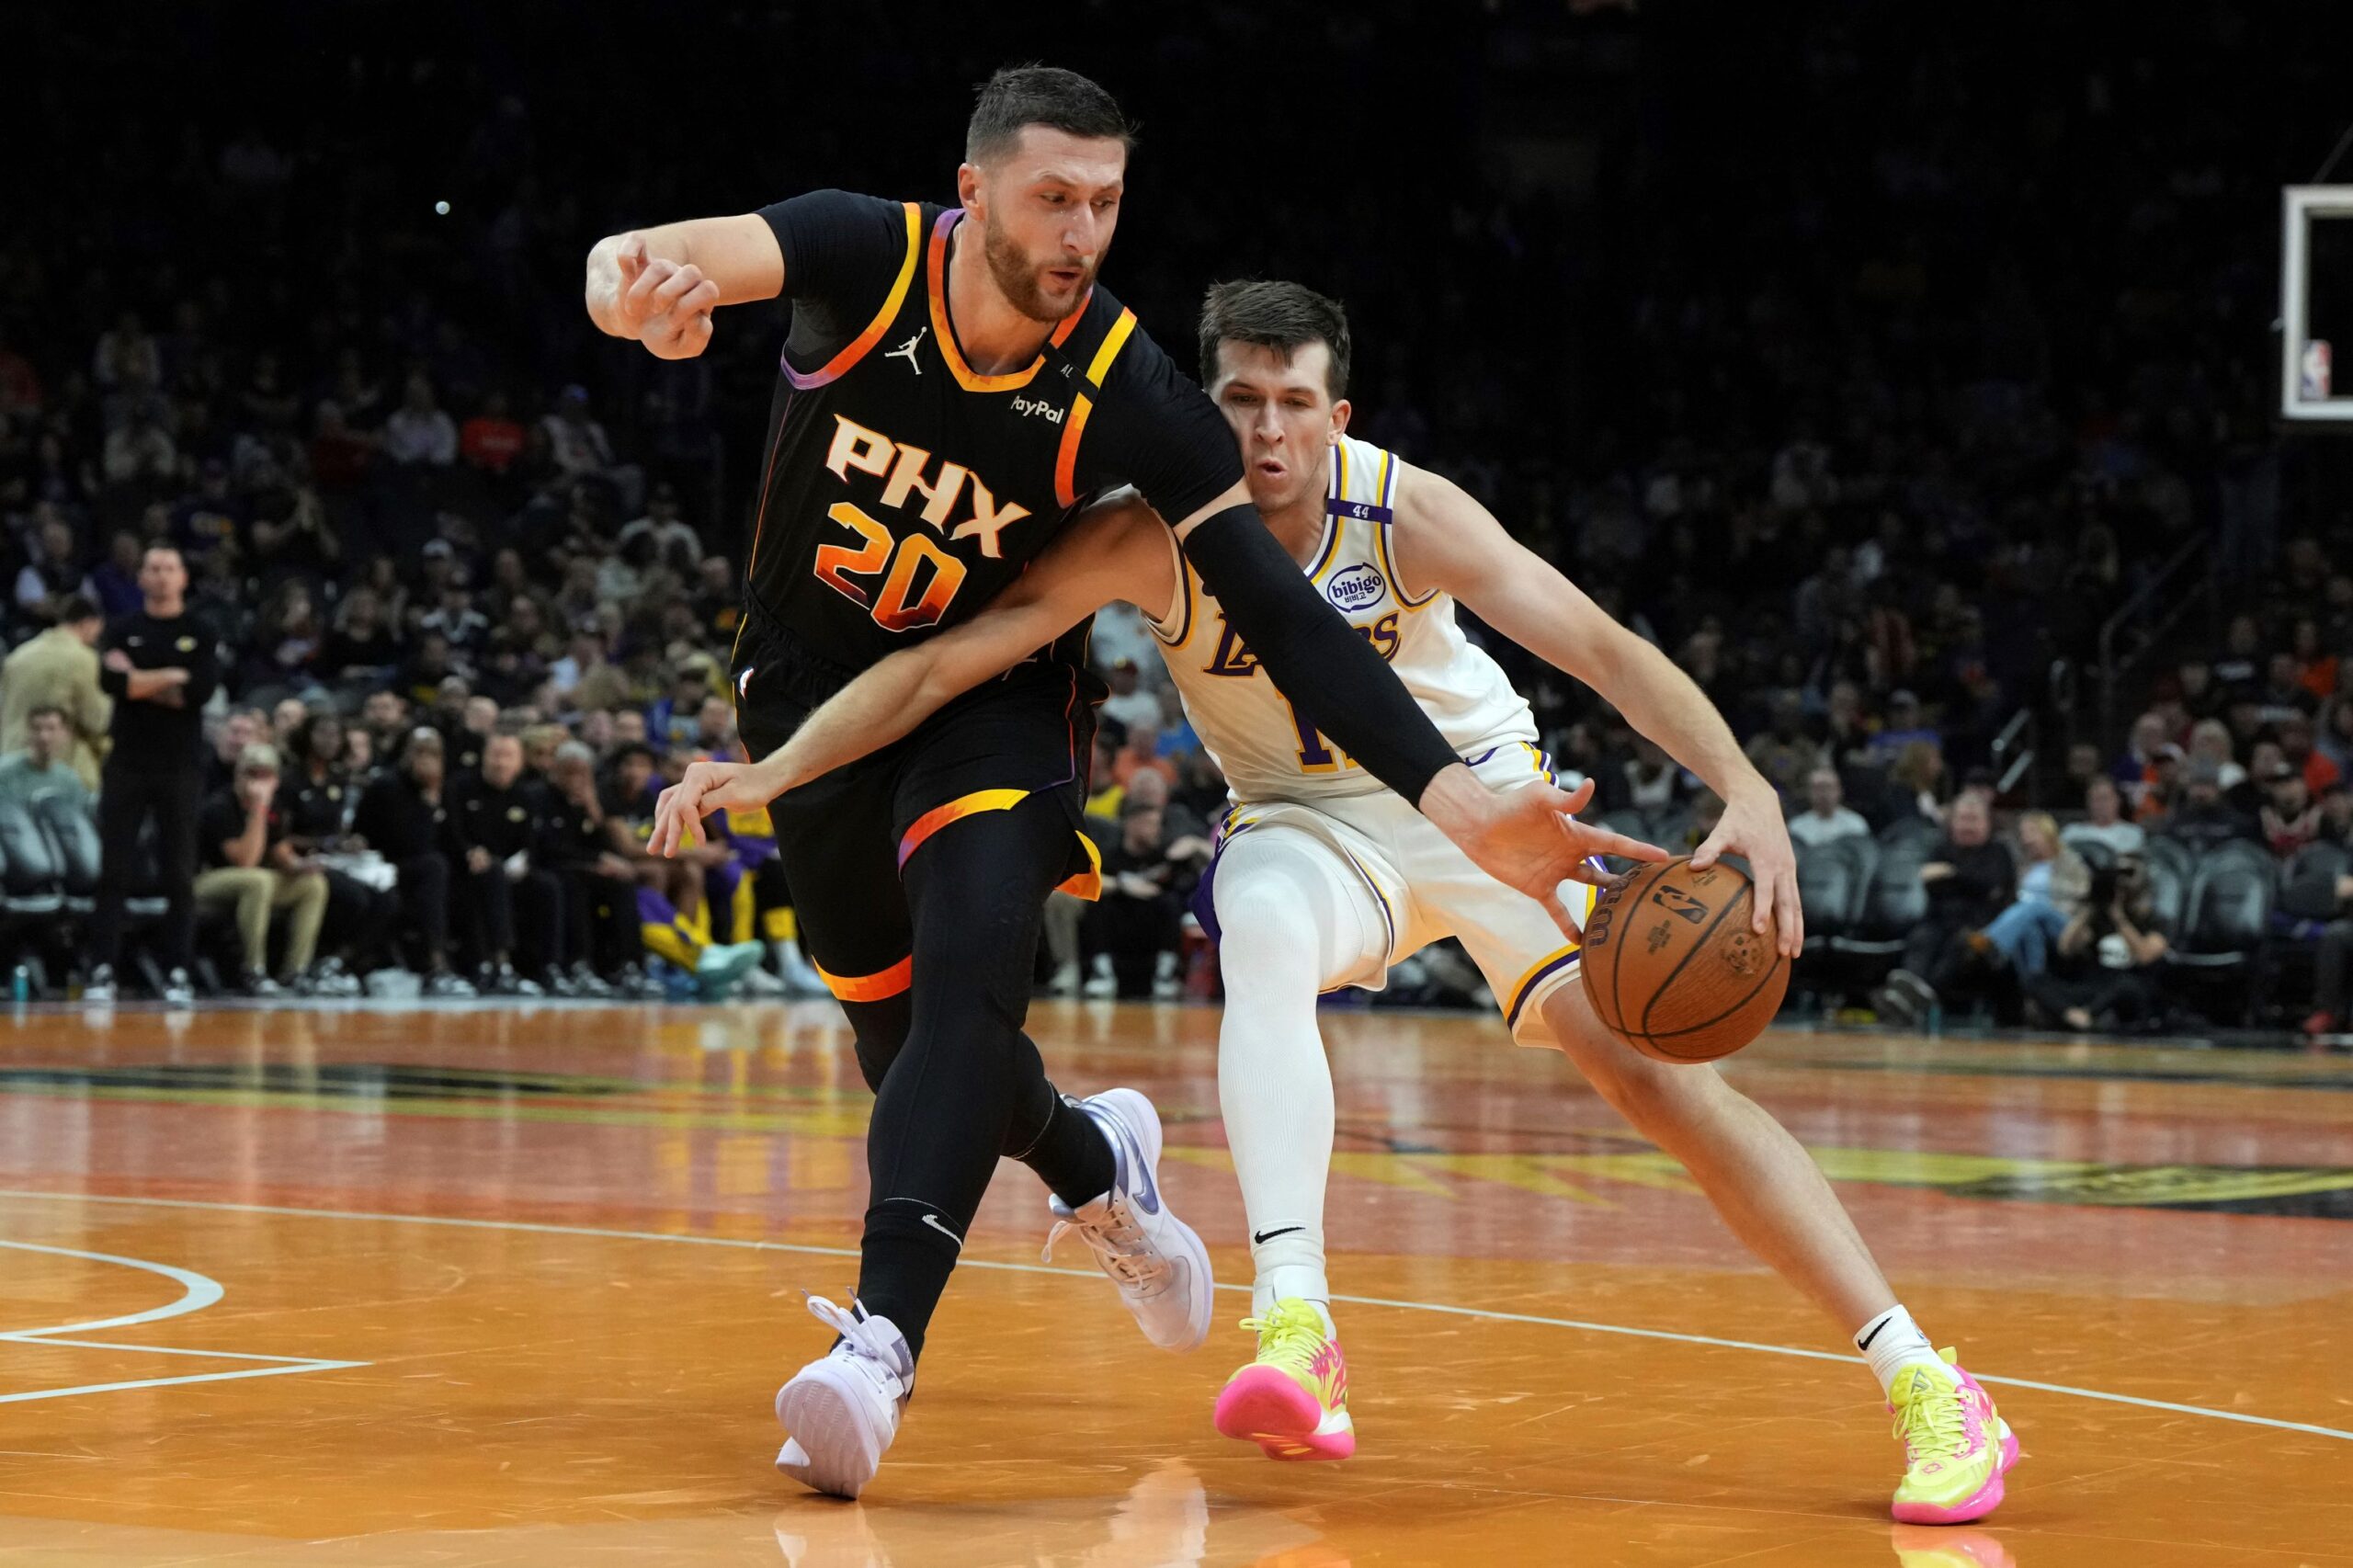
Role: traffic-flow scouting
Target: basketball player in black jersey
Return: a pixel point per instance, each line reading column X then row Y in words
column 954, row 387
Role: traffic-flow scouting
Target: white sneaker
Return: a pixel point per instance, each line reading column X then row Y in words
column 1065, row 980
column 1100, row 982
column 800, row 976
column 1160, row 1266
column 98, row 990
column 177, row 991
column 843, row 1409
column 393, row 983
column 759, row 981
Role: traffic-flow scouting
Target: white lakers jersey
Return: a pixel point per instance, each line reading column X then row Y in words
column 1268, row 750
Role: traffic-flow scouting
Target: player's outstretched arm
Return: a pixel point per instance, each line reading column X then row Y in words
column 659, row 286
column 1447, row 542
column 1525, row 838
column 1117, row 550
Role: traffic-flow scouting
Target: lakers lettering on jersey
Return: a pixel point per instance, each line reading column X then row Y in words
column 1266, row 748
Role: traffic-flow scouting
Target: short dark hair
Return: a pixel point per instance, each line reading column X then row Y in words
column 1285, row 317
column 53, row 710
column 1041, row 94
column 77, row 609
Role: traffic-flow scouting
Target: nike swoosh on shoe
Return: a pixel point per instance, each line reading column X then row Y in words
column 1145, row 1192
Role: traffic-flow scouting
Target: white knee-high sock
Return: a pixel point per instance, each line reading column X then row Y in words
column 1290, row 924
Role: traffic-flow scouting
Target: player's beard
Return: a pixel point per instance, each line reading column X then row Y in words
column 1017, row 279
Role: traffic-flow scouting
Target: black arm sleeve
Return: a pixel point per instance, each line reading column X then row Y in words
column 1332, row 675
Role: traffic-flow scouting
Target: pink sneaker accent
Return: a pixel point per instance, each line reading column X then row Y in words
column 1980, row 1423
column 1265, row 1405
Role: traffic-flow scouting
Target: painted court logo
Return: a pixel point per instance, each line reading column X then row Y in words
column 1353, row 588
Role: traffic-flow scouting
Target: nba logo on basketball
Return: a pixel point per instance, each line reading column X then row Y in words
column 1356, row 587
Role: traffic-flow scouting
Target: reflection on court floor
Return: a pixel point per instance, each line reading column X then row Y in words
column 490, row 1286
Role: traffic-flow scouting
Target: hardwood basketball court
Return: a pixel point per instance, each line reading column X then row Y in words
column 503, row 1286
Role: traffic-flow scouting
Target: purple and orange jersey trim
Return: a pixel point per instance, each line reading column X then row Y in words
column 858, row 347
column 964, row 806
column 935, row 284
column 1087, row 884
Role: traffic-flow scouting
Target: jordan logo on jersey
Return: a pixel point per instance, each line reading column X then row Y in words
column 1354, row 588
column 907, row 350
column 902, row 466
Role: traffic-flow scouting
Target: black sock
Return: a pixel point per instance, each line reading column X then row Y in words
column 908, row 1251
column 1068, row 1151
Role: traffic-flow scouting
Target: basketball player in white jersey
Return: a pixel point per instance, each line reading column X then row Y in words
column 1324, row 879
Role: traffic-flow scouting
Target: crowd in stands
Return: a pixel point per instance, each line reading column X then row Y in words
column 2200, row 873
column 1871, row 439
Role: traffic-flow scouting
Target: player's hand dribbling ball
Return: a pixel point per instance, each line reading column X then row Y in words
column 1673, row 965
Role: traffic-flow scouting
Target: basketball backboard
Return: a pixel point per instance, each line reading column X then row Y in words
column 2315, row 302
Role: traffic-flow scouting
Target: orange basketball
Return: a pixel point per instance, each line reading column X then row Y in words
column 1673, row 968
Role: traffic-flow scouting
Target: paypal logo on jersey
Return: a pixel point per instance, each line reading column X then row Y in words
column 1354, row 588
column 1039, row 406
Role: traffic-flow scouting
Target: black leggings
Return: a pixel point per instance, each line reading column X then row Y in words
column 957, row 1083
column 126, row 799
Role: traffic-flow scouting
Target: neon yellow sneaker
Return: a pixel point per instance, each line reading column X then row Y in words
column 1956, row 1449
column 1293, row 1400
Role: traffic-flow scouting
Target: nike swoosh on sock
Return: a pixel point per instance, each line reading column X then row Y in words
column 1263, row 1237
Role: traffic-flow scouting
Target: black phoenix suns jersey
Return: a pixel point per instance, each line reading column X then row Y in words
column 901, row 489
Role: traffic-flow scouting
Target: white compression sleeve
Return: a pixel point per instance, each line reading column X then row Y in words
column 1293, row 920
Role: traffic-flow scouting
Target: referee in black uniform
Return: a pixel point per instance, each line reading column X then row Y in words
column 955, row 385
column 160, row 667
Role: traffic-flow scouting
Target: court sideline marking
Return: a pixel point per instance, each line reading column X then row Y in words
column 536, row 1228
column 198, row 1292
